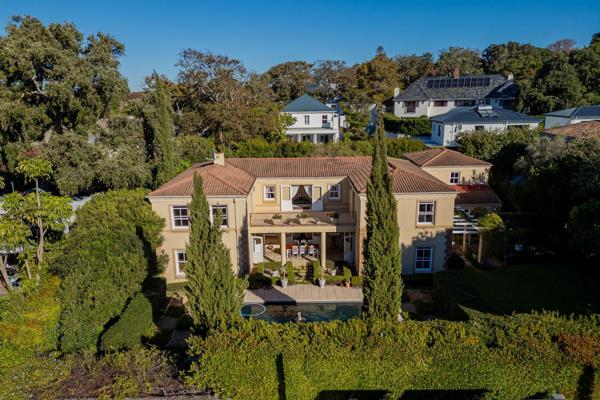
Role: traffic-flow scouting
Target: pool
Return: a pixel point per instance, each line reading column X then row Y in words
column 310, row 312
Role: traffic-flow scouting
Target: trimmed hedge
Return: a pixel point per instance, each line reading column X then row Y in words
column 417, row 126
column 507, row 357
column 133, row 325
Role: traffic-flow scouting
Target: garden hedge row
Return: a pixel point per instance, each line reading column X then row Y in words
column 413, row 126
column 503, row 357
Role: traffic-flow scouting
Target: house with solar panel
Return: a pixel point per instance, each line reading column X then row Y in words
column 572, row 116
column 433, row 95
column 314, row 121
column 446, row 127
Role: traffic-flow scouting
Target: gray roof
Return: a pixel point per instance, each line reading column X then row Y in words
column 499, row 88
column 306, row 103
column 578, row 112
column 484, row 115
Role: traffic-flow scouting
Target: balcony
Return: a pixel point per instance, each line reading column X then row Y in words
column 299, row 218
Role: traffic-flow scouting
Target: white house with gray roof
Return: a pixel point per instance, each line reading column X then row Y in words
column 572, row 116
column 445, row 127
column 314, row 121
column 433, row 95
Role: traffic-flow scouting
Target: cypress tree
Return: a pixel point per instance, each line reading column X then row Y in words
column 382, row 282
column 215, row 295
column 159, row 122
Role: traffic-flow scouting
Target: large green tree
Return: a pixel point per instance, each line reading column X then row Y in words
column 52, row 79
column 465, row 61
column 158, row 115
column 289, row 80
column 214, row 294
column 382, row 283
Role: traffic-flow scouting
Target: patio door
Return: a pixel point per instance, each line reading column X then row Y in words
column 317, row 198
column 286, row 198
column 257, row 249
column 349, row 247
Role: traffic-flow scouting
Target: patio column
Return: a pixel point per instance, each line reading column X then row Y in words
column 323, row 249
column 283, row 249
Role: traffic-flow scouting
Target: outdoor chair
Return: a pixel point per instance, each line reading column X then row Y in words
column 311, row 250
column 302, row 250
column 294, row 251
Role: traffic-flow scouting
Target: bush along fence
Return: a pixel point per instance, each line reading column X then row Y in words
column 502, row 357
column 416, row 126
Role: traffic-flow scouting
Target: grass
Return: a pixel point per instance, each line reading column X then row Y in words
column 523, row 288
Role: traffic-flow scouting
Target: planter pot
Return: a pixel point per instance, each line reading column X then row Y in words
column 346, row 284
column 322, row 283
column 303, row 221
column 333, row 272
column 277, row 221
column 284, row 282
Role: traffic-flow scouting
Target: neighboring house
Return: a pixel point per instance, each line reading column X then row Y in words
column 572, row 116
column 263, row 201
column 582, row 130
column 433, row 95
column 446, row 127
column 314, row 121
column 467, row 175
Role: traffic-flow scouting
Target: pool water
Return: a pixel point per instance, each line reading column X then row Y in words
column 310, row 312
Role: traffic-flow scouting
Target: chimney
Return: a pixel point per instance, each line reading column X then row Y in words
column 510, row 76
column 456, row 73
column 218, row 158
column 396, row 91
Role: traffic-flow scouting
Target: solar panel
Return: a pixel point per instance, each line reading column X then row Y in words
column 442, row 83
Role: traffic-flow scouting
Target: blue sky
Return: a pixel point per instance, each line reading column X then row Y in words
column 264, row 33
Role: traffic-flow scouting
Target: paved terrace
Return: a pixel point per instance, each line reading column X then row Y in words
column 305, row 294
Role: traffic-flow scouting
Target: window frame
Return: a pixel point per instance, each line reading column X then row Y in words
column 479, row 128
column 180, row 218
column 225, row 214
column 454, row 174
column 265, row 191
column 179, row 272
column 440, row 103
column 324, row 119
column 421, row 260
column 426, row 213
column 338, row 191
column 306, row 119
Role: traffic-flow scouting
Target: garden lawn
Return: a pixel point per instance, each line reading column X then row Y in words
column 522, row 288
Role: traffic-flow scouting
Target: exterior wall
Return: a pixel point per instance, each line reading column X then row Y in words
column 420, row 110
column 413, row 234
column 234, row 236
column 552, row 121
column 315, row 128
column 445, row 134
column 469, row 175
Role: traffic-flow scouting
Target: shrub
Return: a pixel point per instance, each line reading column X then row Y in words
column 133, row 325
column 317, row 270
column 347, row 273
column 291, row 272
column 508, row 357
column 419, row 126
column 334, row 279
column 456, row 262
column 357, row 281
column 260, row 268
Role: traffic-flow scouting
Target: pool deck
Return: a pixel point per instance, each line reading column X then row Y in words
column 304, row 294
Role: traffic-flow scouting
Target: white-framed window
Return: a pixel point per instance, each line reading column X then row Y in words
column 213, row 214
column 307, row 120
column 180, row 261
column 454, row 177
column 269, row 193
column 334, row 192
column 324, row 119
column 426, row 213
column 180, row 217
column 423, row 258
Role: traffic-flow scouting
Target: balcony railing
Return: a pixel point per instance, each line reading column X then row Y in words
column 295, row 218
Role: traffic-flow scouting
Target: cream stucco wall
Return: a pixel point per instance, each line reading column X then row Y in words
column 468, row 174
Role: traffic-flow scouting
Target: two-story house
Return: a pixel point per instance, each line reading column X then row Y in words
column 279, row 209
column 434, row 95
column 314, row 121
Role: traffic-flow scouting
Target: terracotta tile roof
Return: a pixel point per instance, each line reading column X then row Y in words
column 476, row 195
column 442, row 158
column 581, row 130
column 237, row 176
